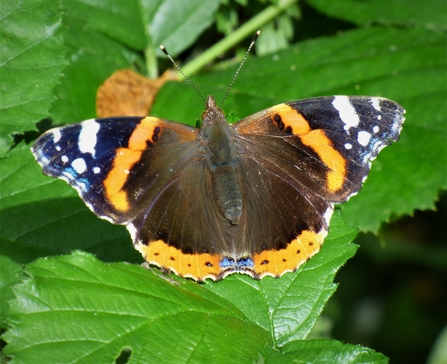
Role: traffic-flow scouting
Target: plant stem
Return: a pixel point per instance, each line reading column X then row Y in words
column 151, row 62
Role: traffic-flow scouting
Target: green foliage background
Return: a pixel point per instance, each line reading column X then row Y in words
column 61, row 303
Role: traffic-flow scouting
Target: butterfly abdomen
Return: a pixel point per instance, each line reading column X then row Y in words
column 227, row 193
column 223, row 168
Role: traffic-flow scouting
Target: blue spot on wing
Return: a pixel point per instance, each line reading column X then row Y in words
column 236, row 265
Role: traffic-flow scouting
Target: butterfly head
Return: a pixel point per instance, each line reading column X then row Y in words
column 212, row 115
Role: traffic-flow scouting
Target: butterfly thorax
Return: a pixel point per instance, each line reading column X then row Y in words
column 217, row 138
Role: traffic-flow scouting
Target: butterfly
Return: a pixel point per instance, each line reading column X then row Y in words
column 255, row 197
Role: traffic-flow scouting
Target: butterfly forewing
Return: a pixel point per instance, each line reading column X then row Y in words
column 326, row 143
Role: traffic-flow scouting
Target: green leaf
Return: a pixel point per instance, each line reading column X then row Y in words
column 438, row 354
column 93, row 58
column 431, row 14
column 105, row 308
column 408, row 176
column 276, row 35
column 331, row 351
column 139, row 24
column 92, row 310
column 120, row 21
column 31, row 62
column 176, row 24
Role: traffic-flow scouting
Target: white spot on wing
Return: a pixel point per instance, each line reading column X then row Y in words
column 87, row 136
column 56, row 135
column 363, row 138
column 375, row 102
column 354, row 193
column 348, row 146
column 96, row 170
column 346, row 111
column 376, row 129
column 79, row 165
column 64, row 159
column 327, row 217
column 132, row 231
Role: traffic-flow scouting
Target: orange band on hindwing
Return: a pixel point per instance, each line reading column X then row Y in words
column 196, row 266
column 299, row 250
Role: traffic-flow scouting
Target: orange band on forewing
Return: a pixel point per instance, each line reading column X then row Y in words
column 142, row 133
column 196, row 266
column 321, row 144
column 295, row 120
column 317, row 140
column 124, row 160
column 278, row 262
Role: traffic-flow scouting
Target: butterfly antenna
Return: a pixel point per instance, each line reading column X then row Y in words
column 255, row 38
column 164, row 50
